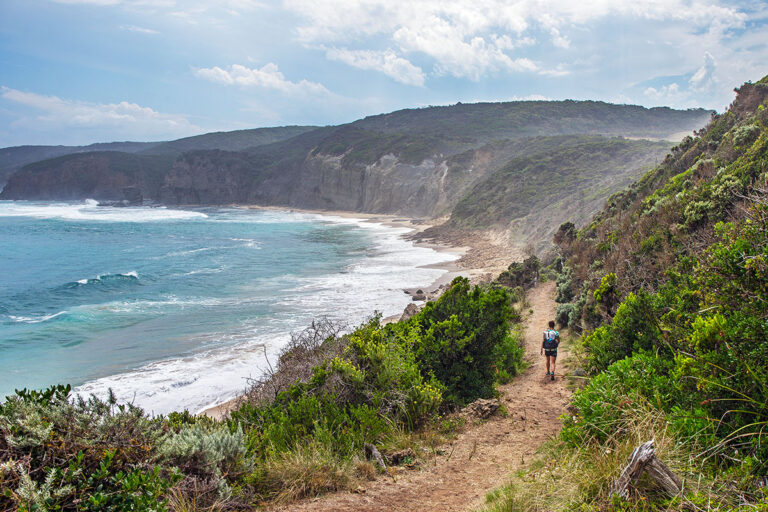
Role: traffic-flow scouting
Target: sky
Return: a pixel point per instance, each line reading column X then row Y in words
column 84, row 71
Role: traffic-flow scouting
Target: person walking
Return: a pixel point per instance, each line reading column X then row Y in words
column 549, row 347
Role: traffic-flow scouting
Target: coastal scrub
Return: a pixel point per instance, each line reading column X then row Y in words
column 299, row 432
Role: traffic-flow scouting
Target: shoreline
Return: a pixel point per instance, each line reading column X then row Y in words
column 452, row 269
column 462, row 266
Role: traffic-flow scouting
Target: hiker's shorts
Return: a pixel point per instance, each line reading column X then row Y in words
column 550, row 352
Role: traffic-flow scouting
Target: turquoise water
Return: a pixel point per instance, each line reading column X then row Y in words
column 178, row 308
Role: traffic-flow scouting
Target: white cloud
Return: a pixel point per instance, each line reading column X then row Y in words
column 140, row 30
column 461, row 57
column 665, row 92
column 704, row 77
column 128, row 119
column 558, row 39
column 556, row 72
column 683, row 93
column 242, row 5
column 397, row 68
column 267, row 77
column 472, row 38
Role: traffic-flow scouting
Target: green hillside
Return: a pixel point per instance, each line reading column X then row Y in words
column 236, row 140
column 554, row 172
column 359, row 146
column 669, row 287
column 343, row 168
column 491, row 121
column 14, row 158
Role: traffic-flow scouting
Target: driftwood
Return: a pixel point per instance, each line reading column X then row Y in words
column 644, row 459
column 372, row 453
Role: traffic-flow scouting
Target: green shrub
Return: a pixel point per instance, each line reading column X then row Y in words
column 566, row 314
column 602, row 404
column 394, row 384
column 635, row 327
column 207, row 450
column 508, row 356
column 746, row 134
column 564, row 285
column 79, row 454
column 725, row 359
column 459, row 334
column 523, row 274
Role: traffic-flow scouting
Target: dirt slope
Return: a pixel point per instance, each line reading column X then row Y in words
column 481, row 458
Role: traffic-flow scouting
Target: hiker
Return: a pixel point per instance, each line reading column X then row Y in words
column 549, row 347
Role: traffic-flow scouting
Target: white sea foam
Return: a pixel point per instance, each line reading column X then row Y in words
column 101, row 278
column 91, row 211
column 200, row 380
column 194, row 382
column 248, row 242
column 35, row 319
column 160, row 306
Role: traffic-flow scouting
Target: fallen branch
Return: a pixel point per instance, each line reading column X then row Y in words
column 372, row 453
column 644, row 459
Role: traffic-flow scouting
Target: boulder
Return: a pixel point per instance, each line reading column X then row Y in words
column 409, row 311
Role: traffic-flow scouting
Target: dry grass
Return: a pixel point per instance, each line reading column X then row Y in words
column 307, row 471
column 183, row 499
column 364, row 470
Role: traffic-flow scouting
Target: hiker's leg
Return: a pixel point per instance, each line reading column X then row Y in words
column 548, row 357
column 554, row 362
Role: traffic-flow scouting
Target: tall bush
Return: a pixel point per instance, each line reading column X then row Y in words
column 461, row 331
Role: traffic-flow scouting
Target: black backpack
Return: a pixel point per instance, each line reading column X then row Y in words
column 551, row 339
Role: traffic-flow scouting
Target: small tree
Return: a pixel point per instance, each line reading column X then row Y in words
column 565, row 236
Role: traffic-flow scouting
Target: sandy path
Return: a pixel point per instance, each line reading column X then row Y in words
column 482, row 457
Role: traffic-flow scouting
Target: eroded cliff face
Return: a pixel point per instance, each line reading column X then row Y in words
column 320, row 181
column 208, row 177
column 386, row 186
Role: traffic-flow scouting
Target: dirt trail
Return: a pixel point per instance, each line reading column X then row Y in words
column 483, row 456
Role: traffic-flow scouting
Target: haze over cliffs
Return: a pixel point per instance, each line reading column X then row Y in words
column 487, row 164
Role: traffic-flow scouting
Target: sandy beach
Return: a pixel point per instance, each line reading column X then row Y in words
column 481, row 257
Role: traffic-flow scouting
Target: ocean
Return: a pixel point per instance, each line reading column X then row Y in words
column 178, row 308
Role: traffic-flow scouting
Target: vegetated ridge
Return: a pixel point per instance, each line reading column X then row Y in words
column 669, row 287
column 14, row 158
